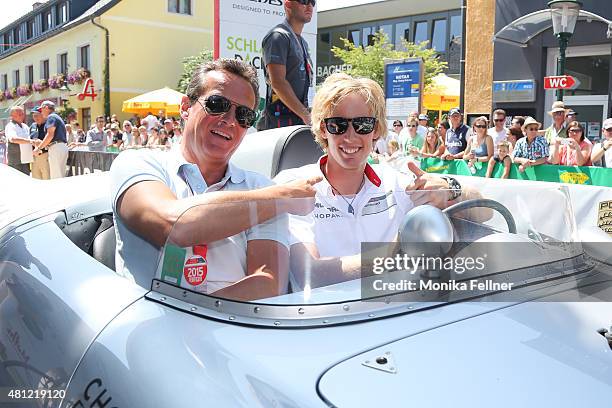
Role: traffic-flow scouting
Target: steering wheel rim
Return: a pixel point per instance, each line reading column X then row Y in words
column 487, row 203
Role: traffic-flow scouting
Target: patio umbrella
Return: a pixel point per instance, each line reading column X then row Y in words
column 443, row 95
column 165, row 99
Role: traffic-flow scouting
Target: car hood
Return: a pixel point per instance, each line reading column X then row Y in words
column 533, row 354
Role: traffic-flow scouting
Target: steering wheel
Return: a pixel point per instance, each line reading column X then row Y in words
column 486, row 203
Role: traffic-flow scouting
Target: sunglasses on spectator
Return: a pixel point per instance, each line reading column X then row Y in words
column 338, row 126
column 608, row 129
column 535, row 129
column 480, row 126
column 397, row 125
column 306, row 2
column 218, row 105
column 575, row 130
column 499, row 120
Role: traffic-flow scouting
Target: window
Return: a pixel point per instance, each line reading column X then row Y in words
column 438, row 37
column 62, row 63
column 4, row 82
column 30, row 29
column 337, row 42
column 420, row 32
column 179, row 6
column 47, row 22
column 7, row 41
column 387, row 29
column 355, row 37
column 402, row 32
column 29, row 71
column 16, row 81
column 44, row 69
column 367, row 37
column 455, row 27
column 61, row 15
column 86, row 119
column 16, row 36
column 323, row 48
column 83, row 57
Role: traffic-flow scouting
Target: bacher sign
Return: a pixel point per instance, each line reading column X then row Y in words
column 561, row 82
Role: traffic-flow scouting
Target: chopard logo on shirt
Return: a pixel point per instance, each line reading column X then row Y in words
column 322, row 212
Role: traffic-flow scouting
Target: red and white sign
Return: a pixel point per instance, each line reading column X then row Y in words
column 561, row 82
column 88, row 90
column 196, row 267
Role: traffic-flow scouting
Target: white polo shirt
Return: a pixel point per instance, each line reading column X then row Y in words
column 224, row 262
column 22, row 131
column 379, row 208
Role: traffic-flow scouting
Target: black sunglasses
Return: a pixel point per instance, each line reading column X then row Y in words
column 608, row 129
column 306, row 2
column 499, row 120
column 338, row 126
column 480, row 126
column 218, row 105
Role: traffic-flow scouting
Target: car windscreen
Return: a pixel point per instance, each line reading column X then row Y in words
column 376, row 249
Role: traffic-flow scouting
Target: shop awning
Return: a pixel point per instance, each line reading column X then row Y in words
column 165, row 99
column 524, row 28
column 443, row 94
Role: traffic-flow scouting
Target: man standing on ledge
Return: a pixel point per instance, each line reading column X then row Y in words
column 55, row 140
column 288, row 68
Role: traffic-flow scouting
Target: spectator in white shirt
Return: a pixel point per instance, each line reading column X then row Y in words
column 498, row 132
column 19, row 143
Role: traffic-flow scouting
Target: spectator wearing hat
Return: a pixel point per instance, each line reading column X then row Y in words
column 602, row 153
column 570, row 116
column 19, row 143
column 169, row 127
column 557, row 129
column 456, row 136
column 574, row 150
column 116, row 136
column 55, row 140
column 423, row 127
column 531, row 150
column 40, row 164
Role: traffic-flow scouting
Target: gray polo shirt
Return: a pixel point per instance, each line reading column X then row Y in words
column 138, row 259
column 284, row 47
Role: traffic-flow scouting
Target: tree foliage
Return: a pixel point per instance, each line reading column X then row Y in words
column 369, row 61
column 189, row 65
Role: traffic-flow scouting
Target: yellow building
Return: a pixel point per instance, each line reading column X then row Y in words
column 128, row 47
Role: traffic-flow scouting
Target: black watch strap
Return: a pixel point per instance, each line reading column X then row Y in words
column 454, row 186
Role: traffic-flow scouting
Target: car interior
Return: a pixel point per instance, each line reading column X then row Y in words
column 96, row 235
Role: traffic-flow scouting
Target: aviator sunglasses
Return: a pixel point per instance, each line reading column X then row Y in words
column 362, row 125
column 218, row 105
column 306, row 2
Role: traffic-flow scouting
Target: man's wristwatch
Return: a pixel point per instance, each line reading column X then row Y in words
column 455, row 187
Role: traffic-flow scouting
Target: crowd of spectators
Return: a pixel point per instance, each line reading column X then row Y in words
column 23, row 136
column 524, row 142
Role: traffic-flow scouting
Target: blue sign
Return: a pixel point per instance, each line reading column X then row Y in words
column 403, row 79
column 514, row 91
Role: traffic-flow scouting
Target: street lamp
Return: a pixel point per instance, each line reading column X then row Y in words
column 564, row 14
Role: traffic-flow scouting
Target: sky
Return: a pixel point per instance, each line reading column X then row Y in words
column 13, row 9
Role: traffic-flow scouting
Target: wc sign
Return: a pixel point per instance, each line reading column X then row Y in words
column 561, row 82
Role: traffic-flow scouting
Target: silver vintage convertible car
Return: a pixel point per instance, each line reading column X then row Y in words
column 75, row 333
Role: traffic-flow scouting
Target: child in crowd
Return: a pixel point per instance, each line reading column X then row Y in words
column 502, row 156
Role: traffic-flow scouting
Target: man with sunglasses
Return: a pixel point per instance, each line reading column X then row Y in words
column 288, row 68
column 498, row 132
column 602, row 151
column 228, row 219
